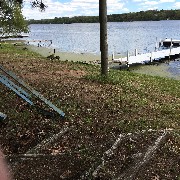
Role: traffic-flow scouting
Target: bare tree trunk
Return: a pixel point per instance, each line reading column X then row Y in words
column 103, row 36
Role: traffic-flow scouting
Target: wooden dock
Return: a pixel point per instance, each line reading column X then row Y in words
column 148, row 57
column 14, row 36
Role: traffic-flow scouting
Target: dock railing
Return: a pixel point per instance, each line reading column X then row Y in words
column 147, row 57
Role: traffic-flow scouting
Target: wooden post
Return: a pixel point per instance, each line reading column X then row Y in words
column 170, row 51
column 135, row 52
column 151, row 60
column 128, row 60
column 160, row 43
column 113, row 56
column 127, row 56
column 156, row 47
column 103, row 36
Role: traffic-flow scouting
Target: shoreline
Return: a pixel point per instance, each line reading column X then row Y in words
column 70, row 56
column 161, row 70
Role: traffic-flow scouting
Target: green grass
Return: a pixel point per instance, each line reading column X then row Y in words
column 144, row 82
column 17, row 51
column 150, row 102
column 99, row 108
column 144, row 93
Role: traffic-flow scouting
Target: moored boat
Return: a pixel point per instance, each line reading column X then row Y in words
column 170, row 42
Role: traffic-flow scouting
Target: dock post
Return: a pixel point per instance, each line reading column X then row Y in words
column 135, row 52
column 160, row 43
column 127, row 60
column 150, row 58
column 127, row 56
column 112, row 56
column 170, row 51
column 156, row 47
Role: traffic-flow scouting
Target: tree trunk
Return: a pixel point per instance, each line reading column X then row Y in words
column 103, row 36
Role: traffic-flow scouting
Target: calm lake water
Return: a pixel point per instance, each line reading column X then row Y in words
column 122, row 36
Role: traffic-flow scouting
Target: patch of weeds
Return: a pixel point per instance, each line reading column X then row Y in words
column 138, row 81
column 88, row 120
column 25, row 115
column 165, row 85
column 141, row 124
column 131, row 126
column 16, row 51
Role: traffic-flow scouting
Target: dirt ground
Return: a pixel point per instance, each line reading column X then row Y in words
column 105, row 134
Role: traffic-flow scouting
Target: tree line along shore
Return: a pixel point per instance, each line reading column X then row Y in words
column 150, row 15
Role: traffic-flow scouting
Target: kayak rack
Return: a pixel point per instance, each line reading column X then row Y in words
column 24, row 91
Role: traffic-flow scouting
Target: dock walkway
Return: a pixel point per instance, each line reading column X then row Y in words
column 148, row 57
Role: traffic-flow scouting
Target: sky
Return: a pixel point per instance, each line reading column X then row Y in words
column 70, row 8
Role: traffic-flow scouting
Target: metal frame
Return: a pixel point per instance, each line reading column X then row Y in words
column 32, row 91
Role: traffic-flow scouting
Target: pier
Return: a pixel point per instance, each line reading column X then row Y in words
column 148, row 57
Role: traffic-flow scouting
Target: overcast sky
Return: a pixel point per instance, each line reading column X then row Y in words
column 69, row 8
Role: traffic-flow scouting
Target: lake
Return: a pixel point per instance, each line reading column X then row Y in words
column 122, row 37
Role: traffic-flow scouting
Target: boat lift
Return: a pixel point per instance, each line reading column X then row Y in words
column 24, row 91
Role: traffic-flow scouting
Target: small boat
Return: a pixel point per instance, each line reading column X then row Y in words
column 170, row 42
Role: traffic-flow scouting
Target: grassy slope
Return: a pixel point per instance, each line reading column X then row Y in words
column 99, row 109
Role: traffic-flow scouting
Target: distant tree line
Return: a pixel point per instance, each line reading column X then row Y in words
column 150, row 15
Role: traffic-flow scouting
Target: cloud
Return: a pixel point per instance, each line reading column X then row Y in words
column 71, row 8
column 137, row 0
column 177, row 5
column 149, row 3
column 152, row 8
column 154, row 4
column 167, row 1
